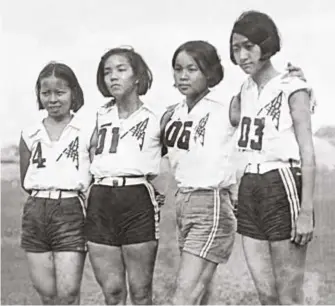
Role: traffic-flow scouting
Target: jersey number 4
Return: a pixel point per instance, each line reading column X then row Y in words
column 37, row 157
column 101, row 140
column 246, row 123
column 173, row 132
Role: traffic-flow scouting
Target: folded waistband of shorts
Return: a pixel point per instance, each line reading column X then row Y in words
column 262, row 168
column 120, row 181
column 54, row 194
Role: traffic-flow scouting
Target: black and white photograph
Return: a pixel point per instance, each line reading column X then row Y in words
column 175, row 152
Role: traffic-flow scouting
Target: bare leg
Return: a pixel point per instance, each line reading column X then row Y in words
column 194, row 277
column 69, row 272
column 259, row 262
column 42, row 274
column 140, row 262
column 109, row 270
column 289, row 262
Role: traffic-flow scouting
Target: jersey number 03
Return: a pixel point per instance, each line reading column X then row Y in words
column 258, row 126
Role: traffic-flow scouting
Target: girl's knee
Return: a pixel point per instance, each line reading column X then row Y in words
column 49, row 300
column 114, row 293
column 290, row 289
column 186, row 295
column 141, row 295
column 69, row 297
column 47, row 295
column 69, row 300
column 268, row 299
column 291, row 297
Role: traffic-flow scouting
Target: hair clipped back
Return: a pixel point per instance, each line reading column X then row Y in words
column 207, row 59
column 65, row 73
column 141, row 70
column 260, row 29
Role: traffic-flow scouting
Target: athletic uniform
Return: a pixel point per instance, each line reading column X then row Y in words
column 57, row 175
column 270, row 189
column 199, row 145
column 121, row 205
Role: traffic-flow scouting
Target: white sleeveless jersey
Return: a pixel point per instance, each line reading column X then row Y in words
column 199, row 145
column 127, row 146
column 265, row 132
column 62, row 164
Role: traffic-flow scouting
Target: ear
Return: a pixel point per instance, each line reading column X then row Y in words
column 266, row 56
column 73, row 101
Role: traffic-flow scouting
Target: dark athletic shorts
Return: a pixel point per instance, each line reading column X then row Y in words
column 269, row 203
column 122, row 215
column 53, row 225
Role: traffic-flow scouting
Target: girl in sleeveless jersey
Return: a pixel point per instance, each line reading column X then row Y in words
column 197, row 139
column 197, row 136
column 54, row 166
column 275, row 209
column 123, row 215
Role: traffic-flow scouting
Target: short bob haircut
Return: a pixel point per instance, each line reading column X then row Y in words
column 207, row 59
column 65, row 73
column 260, row 29
column 140, row 68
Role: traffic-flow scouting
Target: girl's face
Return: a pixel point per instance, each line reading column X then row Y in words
column 55, row 96
column 188, row 77
column 247, row 54
column 119, row 76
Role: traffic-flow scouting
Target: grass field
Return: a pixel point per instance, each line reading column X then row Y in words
column 232, row 285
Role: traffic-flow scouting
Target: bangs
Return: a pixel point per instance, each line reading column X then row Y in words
column 254, row 32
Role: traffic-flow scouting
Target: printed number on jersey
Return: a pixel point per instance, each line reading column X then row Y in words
column 251, row 137
column 137, row 132
column 38, row 157
column 102, row 137
column 173, row 134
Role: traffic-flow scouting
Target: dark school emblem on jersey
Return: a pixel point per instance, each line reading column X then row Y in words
column 71, row 151
column 200, row 130
column 272, row 109
column 138, row 131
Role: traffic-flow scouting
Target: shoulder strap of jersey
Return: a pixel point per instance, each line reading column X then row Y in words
column 167, row 116
column 235, row 110
column 164, row 121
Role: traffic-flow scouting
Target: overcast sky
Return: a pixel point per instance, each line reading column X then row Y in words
column 78, row 32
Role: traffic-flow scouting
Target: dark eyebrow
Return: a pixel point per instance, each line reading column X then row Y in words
column 244, row 42
column 118, row 66
column 121, row 65
column 188, row 66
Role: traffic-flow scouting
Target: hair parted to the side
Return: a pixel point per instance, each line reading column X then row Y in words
column 65, row 73
column 206, row 57
column 140, row 68
column 260, row 29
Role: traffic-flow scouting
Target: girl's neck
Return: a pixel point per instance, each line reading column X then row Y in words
column 55, row 126
column 128, row 105
column 193, row 100
column 62, row 120
column 264, row 75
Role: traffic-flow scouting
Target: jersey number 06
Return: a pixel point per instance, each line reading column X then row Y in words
column 173, row 132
